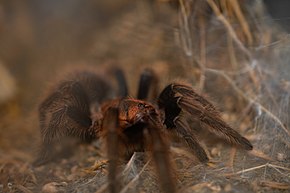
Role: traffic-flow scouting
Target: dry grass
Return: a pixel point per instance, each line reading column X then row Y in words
column 226, row 49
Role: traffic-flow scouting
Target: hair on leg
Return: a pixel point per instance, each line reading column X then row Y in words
column 215, row 124
column 66, row 114
column 184, row 131
column 187, row 91
column 80, row 115
column 169, row 103
column 110, row 127
column 208, row 116
column 44, row 110
column 177, row 97
column 161, row 156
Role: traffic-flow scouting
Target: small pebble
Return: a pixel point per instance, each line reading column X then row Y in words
column 9, row 185
column 215, row 152
column 281, row 157
column 228, row 188
column 1, row 187
column 54, row 187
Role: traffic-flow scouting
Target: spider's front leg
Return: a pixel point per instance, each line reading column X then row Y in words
column 178, row 97
column 160, row 152
column 66, row 111
column 61, row 117
column 109, row 132
column 134, row 125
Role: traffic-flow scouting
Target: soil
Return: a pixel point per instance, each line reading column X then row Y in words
column 41, row 40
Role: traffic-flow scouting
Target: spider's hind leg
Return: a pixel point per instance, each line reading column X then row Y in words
column 121, row 81
column 168, row 102
column 148, row 80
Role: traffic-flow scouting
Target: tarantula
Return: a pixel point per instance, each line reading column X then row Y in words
column 86, row 106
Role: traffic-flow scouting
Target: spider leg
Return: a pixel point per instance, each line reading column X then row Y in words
column 160, row 153
column 177, row 97
column 44, row 109
column 187, row 90
column 66, row 112
column 215, row 124
column 110, row 124
column 79, row 113
column 147, row 80
column 121, row 80
column 191, row 140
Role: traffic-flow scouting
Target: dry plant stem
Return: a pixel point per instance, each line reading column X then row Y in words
column 23, row 189
column 232, row 55
column 202, row 53
column 233, row 35
column 275, row 185
column 275, row 43
column 186, row 39
column 260, row 154
column 232, row 158
column 274, row 117
column 235, row 5
column 282, row 173
column 262, row 166
column 229, row 28
column 199, row 186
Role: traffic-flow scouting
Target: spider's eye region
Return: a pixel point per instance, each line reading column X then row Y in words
column 141, row 106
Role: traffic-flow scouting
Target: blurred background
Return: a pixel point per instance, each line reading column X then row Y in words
column 236, row 52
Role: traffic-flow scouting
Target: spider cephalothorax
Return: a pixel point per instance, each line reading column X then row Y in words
column 85, row 105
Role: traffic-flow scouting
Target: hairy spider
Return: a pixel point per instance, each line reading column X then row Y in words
column 85, row 105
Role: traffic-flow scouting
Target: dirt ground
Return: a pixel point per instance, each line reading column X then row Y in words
column 237, row 56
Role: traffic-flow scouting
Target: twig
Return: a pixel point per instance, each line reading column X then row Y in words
column 279, row 171
column 202, row 36
column 233, row 35
column 184, row 26
column 259, row 167
column 280, row 167
column 274, row 117
column 275, row 43
column 251, row 169
column 235, row 5
column 260, row 154
column 228, row 27
column 276, row 185
column 23, row 189
column 232, row 158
